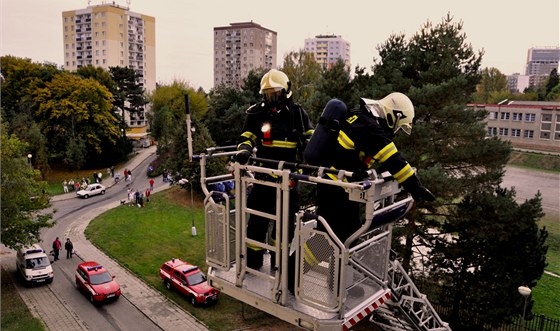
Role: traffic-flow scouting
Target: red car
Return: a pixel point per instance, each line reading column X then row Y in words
column 188, row 280
column 94, row 280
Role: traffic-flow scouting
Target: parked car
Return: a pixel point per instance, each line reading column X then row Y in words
column 90, row 190
column 34, row 266
column 96, row 282
column 188, row 280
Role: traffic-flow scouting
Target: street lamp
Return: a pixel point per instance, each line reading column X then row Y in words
column 184, row 181
column 525, row 292
column 29, row 156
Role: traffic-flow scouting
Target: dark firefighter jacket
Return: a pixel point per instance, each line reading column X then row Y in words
column 362, row 141
column 277, row 135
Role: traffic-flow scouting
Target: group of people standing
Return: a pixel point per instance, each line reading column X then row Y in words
column 136, row 197
column 57, row 246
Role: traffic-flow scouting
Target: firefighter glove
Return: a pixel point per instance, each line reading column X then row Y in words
column 242, row 156
column 417, row 190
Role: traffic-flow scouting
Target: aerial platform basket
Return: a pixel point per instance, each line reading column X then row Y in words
column 336, row 284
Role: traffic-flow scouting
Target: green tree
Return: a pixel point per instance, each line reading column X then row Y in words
column 227, row 106
column 70, row 107
column 23, row 195
column 439, row 71
column 552, row 85
column 334, row 83
column 492, row 82
column 169, row 127
column 129, row 94
column 20, row 78
column 494, row 245
column 100, row 75
column 168, row 110
column 304, row 72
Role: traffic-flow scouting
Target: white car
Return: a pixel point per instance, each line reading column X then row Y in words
column 34, row 265
column 91, row 189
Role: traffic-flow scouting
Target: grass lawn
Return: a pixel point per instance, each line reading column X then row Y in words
column 553, row 241
column 15, row 314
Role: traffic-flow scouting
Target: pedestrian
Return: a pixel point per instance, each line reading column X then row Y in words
column 77, row 185
column 65, row 186
column 130, row 197
column 126, row 175
column 367, row 137
column 69, row 247
column 151, row 184
column 99, row 177
column 112, row 171
column 71, row 184
column 277, row 127
column 56, row 246
column 147, row 194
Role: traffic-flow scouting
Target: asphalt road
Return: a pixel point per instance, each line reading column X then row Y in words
column 118, row 315
column 528, row 182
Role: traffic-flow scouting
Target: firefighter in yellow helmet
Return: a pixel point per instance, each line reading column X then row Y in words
column 277, row 129
column 365, row 137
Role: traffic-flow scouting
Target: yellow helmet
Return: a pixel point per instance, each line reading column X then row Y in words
column 396, row 108
column 275, row 81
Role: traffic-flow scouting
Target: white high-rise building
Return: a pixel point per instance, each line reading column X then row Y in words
column 328, row 49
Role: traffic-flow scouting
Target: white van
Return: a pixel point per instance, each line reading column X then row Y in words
column 34, row 265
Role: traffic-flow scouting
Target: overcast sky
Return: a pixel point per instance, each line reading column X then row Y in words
column 184, row 28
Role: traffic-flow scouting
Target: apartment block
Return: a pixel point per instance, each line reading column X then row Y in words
column 110, row 35
column 531, row 125
column 240, row 48
column 328, row 49
column 541, row 61
column 517, row 83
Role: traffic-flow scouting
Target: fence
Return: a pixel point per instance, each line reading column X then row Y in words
column 536, row 323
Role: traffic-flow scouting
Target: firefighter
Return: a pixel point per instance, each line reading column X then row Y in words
column 366, row 137
column 277, row 128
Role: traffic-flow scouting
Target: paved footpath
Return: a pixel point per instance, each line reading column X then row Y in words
column 57, row 315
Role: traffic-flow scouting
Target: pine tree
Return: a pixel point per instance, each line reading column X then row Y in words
column 439, row 71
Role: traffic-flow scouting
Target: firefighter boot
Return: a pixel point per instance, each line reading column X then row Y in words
column 254, row 258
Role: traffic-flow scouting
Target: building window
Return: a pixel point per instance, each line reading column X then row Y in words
column 546, row 126
column 517, row 117
column 528, row 134
column 516, row 132
column 545, row 135
column 546, row 118
column 529, row 117
column 492, row 115
column 492, row 131
column 104, row 61
column 504, row 116
column 96, row 61
column 504, row 131
column 103, row 42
